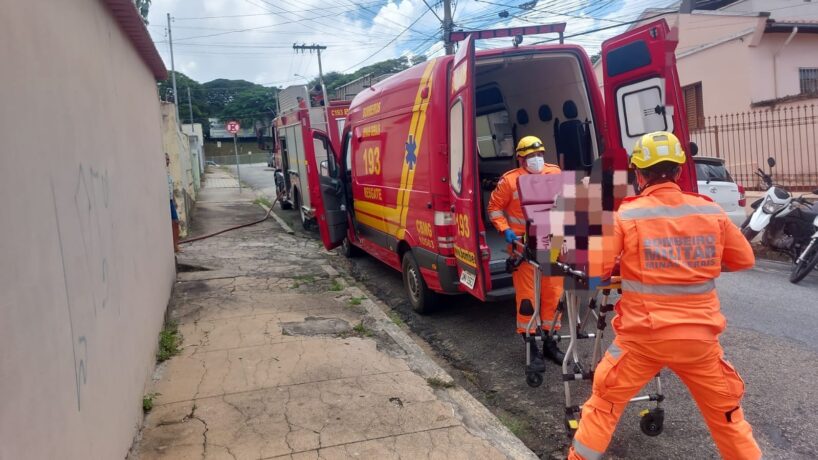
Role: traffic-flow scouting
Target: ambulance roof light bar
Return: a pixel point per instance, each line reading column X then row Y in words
column 516, row 32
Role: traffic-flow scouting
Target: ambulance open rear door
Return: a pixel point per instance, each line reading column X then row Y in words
column 472, row 268
column 642, row 92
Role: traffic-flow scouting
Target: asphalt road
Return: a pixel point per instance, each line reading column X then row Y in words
column 770, row 339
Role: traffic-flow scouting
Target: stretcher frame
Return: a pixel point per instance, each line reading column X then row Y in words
column 651, row 420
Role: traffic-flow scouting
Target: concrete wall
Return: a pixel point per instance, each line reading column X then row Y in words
column 196, row 136
column 177, row 145
column 87, row 258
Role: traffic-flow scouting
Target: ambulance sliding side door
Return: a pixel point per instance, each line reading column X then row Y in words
column 463, row 176
column 642, row 92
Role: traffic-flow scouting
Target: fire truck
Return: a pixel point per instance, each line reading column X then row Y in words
column 299, row 114
column 422, row 150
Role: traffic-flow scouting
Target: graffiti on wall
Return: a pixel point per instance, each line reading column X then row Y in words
column 84, row 228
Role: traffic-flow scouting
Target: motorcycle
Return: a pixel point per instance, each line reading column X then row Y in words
column 788, row 225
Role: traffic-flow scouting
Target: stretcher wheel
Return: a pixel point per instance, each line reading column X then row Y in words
column 533, row 379
column 652, row 421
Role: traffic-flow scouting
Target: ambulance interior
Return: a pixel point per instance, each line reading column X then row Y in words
column 543, row 94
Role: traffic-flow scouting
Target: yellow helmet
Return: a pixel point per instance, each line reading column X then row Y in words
column 654, row 148
column 529, row 145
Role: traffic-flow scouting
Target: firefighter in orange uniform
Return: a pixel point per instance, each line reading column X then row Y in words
column 671, row 246
column 506, row 214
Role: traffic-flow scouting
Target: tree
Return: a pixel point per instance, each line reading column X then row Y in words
column 251, row 104
column 143, row 6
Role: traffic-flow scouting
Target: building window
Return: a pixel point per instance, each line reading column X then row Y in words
column 809, row 80
column 694, row 105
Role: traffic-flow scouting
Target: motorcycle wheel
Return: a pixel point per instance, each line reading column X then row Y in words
column 808, row 262
column 749, row 233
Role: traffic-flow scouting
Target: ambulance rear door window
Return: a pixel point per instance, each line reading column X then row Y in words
column 456, row 146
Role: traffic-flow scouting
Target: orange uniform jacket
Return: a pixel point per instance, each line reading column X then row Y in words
column 675, row 245
column 504, row 207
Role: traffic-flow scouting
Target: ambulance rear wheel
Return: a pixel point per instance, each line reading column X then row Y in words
column 420, row 296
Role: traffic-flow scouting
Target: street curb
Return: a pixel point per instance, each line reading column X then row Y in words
column 476, row 417
column 278, row 219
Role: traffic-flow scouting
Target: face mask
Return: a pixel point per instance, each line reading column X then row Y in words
column 534, row 164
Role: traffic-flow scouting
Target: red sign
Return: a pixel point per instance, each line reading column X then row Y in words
column 233, row 126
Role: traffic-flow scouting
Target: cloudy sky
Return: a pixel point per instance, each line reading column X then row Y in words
column 252, row 39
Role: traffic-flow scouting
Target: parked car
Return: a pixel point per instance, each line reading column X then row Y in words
column 715, row 182
column 211, row 163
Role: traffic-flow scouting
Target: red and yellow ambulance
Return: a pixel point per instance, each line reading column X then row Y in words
column 422, row 150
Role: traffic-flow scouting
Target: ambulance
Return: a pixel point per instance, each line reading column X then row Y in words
column 422, row 150
column 299, row 114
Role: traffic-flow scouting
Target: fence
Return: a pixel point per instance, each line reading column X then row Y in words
column 227, row 160
column 745, row 141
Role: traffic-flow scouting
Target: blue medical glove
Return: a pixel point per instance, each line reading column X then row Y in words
column 510, row 236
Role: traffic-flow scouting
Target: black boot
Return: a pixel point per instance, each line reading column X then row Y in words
column 537, row 364
column 551, row 351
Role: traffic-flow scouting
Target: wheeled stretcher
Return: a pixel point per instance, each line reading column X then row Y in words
column 542, row 247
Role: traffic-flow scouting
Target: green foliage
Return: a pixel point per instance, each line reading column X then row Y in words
column 263, row 200
column 516, row 426
column 395, row 318
column 250, row 104
column 143, row 6
column 147, row 401
column 169, row 341
column 355, row 301
column 439, row 384
column 336, row 286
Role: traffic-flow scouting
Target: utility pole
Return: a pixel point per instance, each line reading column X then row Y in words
column 173, row 75
column 190, row 107
column 447, row 26
column 318, row 48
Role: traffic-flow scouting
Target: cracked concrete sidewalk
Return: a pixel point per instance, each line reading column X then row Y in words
column 283, row 357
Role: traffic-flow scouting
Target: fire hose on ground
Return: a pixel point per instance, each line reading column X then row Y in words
column 209, row 235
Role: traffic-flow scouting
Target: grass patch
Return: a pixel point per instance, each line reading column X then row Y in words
column 395, row 318
column 362, row 330
column 263, row 201
column 169, row 341
column 516, row 426
column 355, row 301
column 439, row 384
column 336, row 286
column 147, row 401
column 359, row 330
column 471, row 377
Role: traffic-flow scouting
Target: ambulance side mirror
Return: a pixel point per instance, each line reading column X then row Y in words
column 694, row 149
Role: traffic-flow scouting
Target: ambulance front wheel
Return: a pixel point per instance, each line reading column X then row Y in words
column 420, row 296
column 349, row 250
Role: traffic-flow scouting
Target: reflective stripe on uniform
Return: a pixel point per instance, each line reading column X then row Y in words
column 668, row 289
column 615, row 351
column 495, row 214
column 516, row 220
column 669, row 211
column 586, row 452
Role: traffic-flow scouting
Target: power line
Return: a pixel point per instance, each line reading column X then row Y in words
column 389, row 42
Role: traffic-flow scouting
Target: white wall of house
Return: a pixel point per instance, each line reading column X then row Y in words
column 778, row 77
column 87, row 257
column 778, row 9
